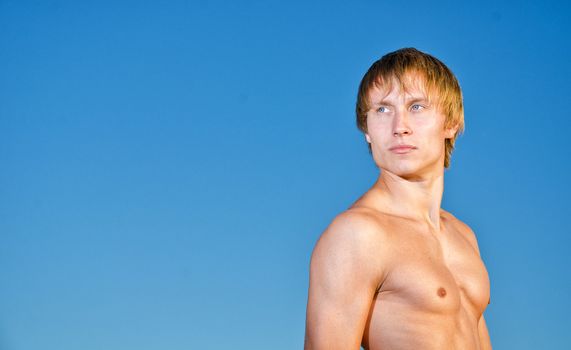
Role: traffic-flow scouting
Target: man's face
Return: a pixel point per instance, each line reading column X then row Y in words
column 405, row 131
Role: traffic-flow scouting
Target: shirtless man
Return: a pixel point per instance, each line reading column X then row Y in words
column 395, row 271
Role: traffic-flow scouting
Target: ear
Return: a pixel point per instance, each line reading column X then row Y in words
column 368, row 138
column 450, row 132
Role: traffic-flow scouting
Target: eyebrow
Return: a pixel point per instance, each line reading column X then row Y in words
column 381, row 103
column 418, row 99
column 412, row 100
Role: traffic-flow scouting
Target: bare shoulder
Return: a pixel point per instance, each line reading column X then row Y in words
column 346, row 270
column 353, row 239
column 462, row 228
column 355, row 227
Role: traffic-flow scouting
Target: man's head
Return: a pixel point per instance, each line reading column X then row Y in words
column 407, row 68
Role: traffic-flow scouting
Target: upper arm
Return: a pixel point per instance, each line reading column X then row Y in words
column 485, row 343
column 344, row 275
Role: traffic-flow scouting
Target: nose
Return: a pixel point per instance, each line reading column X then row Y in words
column 400, row 124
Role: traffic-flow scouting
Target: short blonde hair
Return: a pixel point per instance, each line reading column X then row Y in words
column 438, row 80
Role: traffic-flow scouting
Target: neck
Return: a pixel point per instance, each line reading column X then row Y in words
column 417, row 199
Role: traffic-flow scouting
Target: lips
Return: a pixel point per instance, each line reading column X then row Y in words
column 400, row 149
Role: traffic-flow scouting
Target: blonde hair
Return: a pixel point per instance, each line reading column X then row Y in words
column 438, row 81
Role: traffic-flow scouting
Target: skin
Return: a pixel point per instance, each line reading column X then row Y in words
column 395, row 271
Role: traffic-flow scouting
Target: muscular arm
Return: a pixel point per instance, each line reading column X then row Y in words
column 344, row 275
column 485, row 343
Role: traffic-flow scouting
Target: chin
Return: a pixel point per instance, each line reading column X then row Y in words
column 401, row 169
column 410, row 175
column 409, row 170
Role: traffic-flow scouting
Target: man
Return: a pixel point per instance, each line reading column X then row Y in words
column 395, row 271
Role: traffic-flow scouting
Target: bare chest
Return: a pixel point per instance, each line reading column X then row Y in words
column 439, row 276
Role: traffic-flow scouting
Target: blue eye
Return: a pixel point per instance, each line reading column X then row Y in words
column 382, row 109
column 417, row 107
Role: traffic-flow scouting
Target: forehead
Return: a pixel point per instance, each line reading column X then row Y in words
column 410, row 85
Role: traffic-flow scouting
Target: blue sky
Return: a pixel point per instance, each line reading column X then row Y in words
column 168, row 166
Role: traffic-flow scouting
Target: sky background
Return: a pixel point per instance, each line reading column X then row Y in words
column 167, row 167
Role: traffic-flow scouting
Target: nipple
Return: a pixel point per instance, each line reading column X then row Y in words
column 441, row 292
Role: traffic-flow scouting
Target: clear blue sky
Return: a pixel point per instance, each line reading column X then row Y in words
column 168, row 166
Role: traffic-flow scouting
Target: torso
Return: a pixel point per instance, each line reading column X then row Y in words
column 435, row 289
